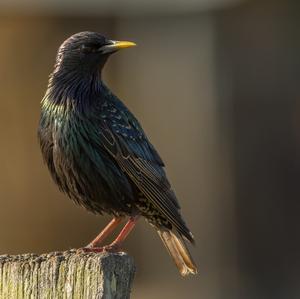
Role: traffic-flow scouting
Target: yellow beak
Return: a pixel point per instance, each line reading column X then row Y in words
column 115, row 45
column 123, row 44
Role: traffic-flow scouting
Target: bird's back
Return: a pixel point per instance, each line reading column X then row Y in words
column 124, row 139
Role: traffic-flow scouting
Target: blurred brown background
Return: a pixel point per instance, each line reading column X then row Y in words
column 215, row 85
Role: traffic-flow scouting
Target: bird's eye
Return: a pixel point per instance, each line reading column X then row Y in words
column 88, row 48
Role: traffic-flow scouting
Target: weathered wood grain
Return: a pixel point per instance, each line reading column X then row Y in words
column 66, row 275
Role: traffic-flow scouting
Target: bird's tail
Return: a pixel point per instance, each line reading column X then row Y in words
column 179, row 252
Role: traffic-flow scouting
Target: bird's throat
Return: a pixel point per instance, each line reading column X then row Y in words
column 73, row 89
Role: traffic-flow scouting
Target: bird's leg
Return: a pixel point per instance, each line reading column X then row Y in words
column 115, row 246
column 109, row 228
column 130, row 224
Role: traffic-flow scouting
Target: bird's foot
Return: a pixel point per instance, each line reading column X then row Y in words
column 112, row 248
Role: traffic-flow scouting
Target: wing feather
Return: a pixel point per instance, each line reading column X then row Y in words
column 136, row 156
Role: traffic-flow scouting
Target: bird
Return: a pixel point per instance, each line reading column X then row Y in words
column 98, row 154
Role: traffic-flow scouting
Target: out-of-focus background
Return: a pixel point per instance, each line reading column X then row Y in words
column 216, row 86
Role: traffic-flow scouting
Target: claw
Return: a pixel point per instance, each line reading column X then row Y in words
column 90, row 249
column 112, row 248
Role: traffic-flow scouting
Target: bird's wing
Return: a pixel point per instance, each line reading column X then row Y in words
column 124, row 139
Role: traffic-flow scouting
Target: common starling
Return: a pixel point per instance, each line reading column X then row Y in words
column 98, row 154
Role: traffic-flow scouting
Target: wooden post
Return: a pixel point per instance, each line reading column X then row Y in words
column 66, row 275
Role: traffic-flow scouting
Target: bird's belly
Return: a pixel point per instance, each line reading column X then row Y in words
column 90, row 178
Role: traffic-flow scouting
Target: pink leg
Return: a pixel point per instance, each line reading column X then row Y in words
column 116, row 244
column 111, row 226
column 125, row 232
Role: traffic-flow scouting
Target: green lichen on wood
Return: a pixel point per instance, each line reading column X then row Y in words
column 66, row 275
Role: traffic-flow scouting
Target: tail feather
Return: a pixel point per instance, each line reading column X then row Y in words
column 179, row 252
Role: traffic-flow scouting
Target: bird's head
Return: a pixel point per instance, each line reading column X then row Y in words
column 87, row 52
